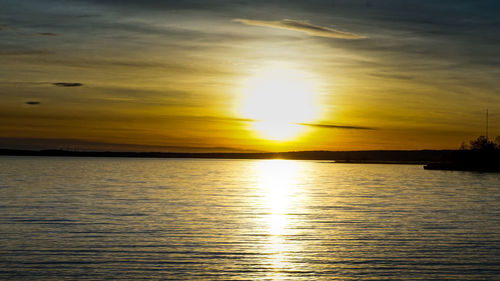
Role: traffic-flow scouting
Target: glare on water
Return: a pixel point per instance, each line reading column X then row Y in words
column 279, row 183
column 193, row 219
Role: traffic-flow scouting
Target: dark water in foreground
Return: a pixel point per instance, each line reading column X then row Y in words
column 78, row 218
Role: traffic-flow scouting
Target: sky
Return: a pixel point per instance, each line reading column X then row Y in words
column 199, row 76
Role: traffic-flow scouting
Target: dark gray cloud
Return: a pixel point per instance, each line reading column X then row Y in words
column 5, row 27
column 331, row 126
column 166, row 4
column 32, row 102
column 67, row 84
column 48, row 34
column 302, row 26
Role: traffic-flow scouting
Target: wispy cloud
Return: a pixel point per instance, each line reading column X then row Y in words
column 331, row 126
column 224, row 118
column 209, row 118
column 302, row 26
column 8, row 27
column 67, row 84
column 4, row 27
column 22, row 31
column 88, row 145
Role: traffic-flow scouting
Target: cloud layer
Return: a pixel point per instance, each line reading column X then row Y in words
column 302, row 26
column 67, row 84
column 32, row 102
column 330, row 126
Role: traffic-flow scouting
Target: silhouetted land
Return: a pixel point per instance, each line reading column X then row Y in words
column 481, row 154
column 372, row 156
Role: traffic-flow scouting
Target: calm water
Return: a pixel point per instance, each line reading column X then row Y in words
column 173, row 219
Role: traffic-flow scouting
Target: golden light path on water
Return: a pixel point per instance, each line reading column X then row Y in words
column 279, row 185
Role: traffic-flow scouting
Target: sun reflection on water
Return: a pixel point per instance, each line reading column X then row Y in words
column 278, row 185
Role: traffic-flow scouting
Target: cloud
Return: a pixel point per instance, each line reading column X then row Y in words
column 302, row 26
column 21, row 31
column 224, row 118
column 67, row 84
column 89, row 145
column 5, row 27
column 32, row 102
column 21, row 51
column 209, row 118
column 331, row 126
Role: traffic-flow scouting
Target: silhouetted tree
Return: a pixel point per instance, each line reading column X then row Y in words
column 481, row 154
column 497, row 142
column 464, row 146
column 482, row 143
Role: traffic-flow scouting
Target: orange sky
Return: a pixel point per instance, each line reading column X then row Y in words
column 213, row 76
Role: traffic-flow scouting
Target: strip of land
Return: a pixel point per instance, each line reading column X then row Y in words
column 370, row 156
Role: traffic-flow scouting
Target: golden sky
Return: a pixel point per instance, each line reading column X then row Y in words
column 256, row 75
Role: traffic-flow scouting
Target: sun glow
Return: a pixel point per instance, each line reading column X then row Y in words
column 279, row 98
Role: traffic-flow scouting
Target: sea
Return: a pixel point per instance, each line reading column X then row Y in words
column 69, row 218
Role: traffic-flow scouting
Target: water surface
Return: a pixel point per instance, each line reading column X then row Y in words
column 191, row 219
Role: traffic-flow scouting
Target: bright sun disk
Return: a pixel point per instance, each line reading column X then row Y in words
column 279, row 98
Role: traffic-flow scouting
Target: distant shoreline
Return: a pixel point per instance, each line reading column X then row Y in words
column 417, row 157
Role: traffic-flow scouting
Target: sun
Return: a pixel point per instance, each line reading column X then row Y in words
column 279, row 98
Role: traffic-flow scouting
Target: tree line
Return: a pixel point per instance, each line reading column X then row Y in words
column 482, row 143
